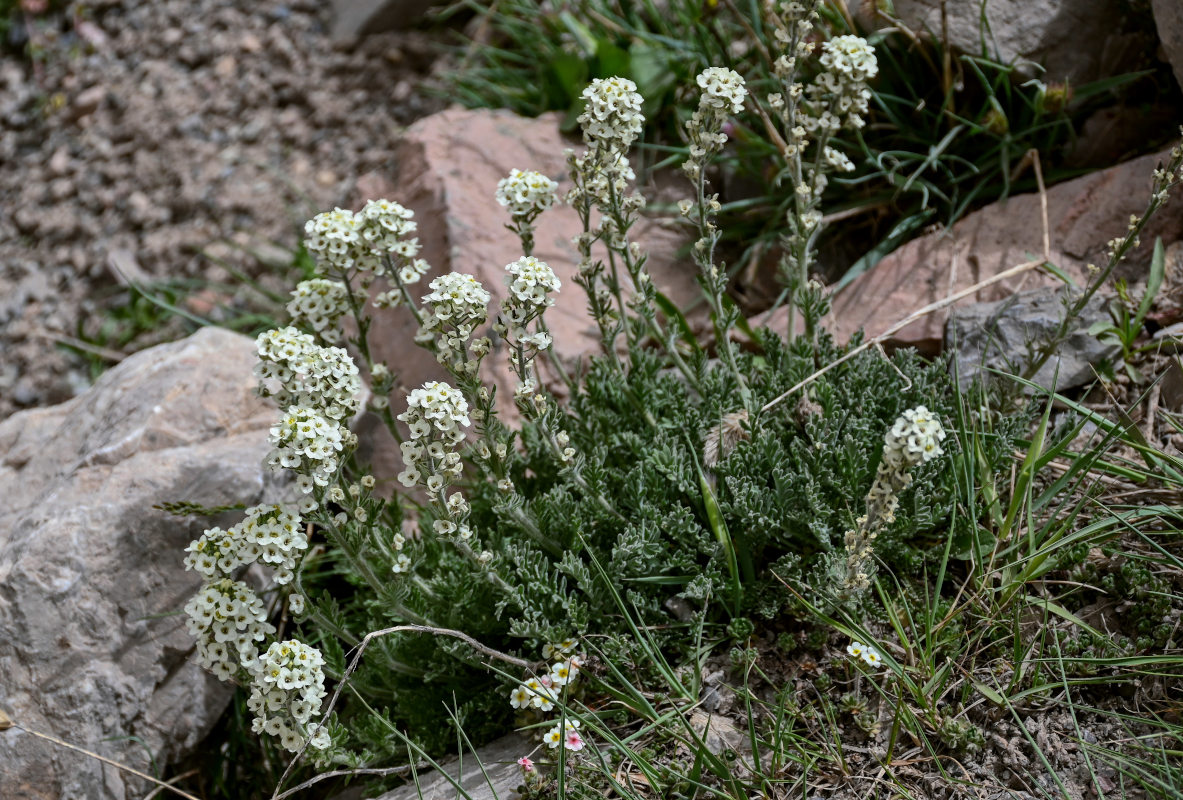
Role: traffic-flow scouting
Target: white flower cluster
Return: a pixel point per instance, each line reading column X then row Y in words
column 227, row 619
column 457, row 304
column 286, row 694
column 319, row 304
column 914, row 439
column 723, row 93
column 269, row 534
column 540, row 694
column 866, row 652
column 342, row 241
column 526, row 193
column 839, row 95
column 722, row 89
column 530, row 283
column 309, row 375
column 851, row 57
column 436, row 416
column 319, row 389
column 307, row 441
column 612, row 115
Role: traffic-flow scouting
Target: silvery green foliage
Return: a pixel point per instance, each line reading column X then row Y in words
column 577, row 514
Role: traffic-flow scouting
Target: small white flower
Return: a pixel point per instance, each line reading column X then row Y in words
column 560, row 674
column 521, row 697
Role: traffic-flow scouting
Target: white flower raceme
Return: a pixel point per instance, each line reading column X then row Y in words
column 612, row 115
column 530, row 283
column 457, row 305
column 376, row 237
column 319, row 304
column 436, row 416
column 286, row 693
column 335, row 241
column 387, row 228
column 851, row 57
column 839, row 95
column 723, row 93
column 307, row 441
column 227, row 619
column 914, row 439
column 722, row 89
column 269, row 534
column 526, row 193
column 324, row 378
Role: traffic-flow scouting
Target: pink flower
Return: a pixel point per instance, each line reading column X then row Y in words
column 573, row 741
column 526, row 764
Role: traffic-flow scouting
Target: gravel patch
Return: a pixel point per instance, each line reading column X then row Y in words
column 152, row 131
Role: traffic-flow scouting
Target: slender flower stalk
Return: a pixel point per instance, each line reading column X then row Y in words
column 914, row 439
column 723, row 94
column 811, row 114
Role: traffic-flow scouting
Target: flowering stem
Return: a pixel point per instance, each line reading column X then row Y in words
column 1119, row 249
column 714, row 284
column 363, row 568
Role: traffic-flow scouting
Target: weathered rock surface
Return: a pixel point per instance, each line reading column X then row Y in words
column 1168, row 19
column 1083, row 215
column 1006, row 334
column 491, row 772
column 1068, row 37
column 450, row 164
column 352, row 18
column 90, row 573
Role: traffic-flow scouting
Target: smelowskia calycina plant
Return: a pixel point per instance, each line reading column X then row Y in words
column 802, row 119
column 501, row 530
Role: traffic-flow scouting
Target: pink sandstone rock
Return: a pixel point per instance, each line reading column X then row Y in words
column 449, row 166
column 1083, row 214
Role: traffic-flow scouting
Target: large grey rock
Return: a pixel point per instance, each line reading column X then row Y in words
column 1068, row 37
column 1006, row 335
column 91, row 650
column 1168, row 19
column 491, row 773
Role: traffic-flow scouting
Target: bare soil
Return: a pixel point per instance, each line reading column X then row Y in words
column 148, row 141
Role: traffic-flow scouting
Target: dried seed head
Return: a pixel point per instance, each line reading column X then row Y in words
column 723, row 438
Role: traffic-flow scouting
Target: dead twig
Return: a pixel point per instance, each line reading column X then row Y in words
column 337, row 773
column 104, row 353
column 353, row 664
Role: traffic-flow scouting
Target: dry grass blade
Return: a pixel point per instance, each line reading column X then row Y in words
column 945, row 302
column 6, row 723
